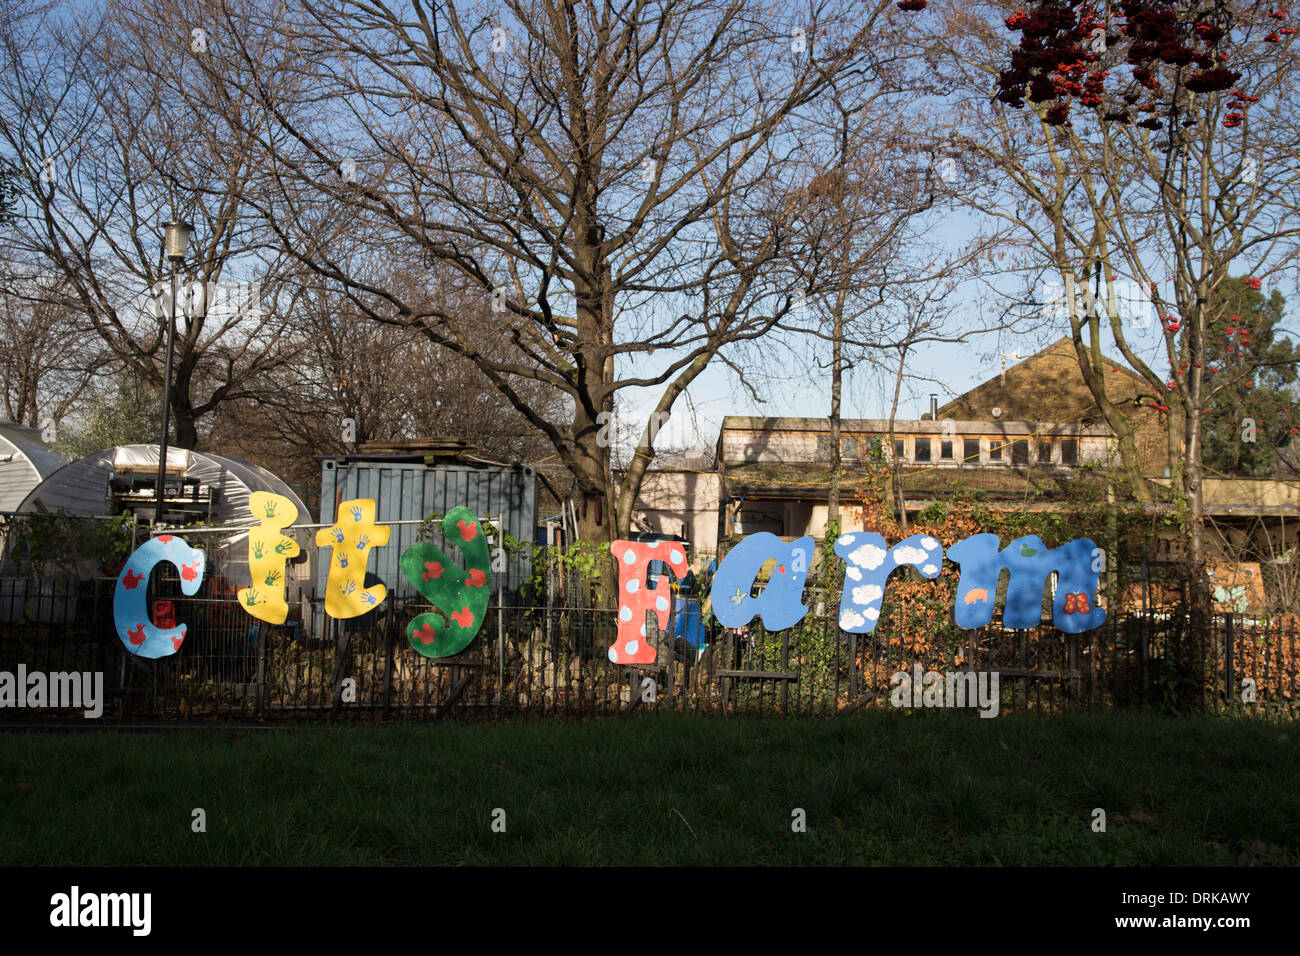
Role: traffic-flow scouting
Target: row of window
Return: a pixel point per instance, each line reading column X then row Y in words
column 974, row 451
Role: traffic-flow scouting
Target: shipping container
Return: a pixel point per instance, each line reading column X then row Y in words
column 410, row 490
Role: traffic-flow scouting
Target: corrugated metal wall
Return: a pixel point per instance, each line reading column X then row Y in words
column 406, row 491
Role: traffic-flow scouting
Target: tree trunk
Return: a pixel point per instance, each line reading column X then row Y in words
column 1093, row 368
column 187, row 433
column 897, row 498
column 1193, row 488
column 837, row 345
column 597, row 522
column 833, row 499
column 185, row 425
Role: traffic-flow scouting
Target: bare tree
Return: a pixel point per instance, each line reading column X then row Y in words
column 49, row 357
column 1165, row 176
column 612, row 177
column 385, row 382
column 876, row 282
column 98, row 115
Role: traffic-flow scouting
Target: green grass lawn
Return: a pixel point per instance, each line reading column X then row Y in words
column 877, row 788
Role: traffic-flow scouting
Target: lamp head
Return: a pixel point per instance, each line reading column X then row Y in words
column 176, row 238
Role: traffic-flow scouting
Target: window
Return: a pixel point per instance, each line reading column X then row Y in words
column 1020, row 451
column 945, row 450
column 970, row 451
column 848, row 448
column 1069, row 451
column 921, row 449
column 1044, row 451
column 899, row 453
column 995, row 449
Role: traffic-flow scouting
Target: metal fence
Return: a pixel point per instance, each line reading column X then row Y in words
column 554, row 661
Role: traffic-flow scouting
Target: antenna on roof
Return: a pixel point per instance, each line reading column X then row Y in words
column 1014, row 356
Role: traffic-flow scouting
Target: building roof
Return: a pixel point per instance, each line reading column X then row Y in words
column 912, row 426
column 1048, row 385
column 1004, row 483
column 25, row 461
column 431, row 451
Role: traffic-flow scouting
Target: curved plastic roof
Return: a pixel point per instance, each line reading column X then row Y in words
column 25, row 461
column 81, row 487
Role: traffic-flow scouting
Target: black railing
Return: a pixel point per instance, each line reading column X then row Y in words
column 554, row 661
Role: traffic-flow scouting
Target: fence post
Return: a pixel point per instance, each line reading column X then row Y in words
column 263, row 633
column 1227, row 659
column 1143, row 669
column 785, row 666
column 853, row 667
column 1072, row 642
column 501, row 634
column 391, row 632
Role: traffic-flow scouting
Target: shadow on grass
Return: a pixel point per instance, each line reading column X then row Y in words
column 875, row 788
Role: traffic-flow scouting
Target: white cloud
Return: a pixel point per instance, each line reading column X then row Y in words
column 931, row 569
column 867, row 593
column 851, row 619
column 929, row 543
column 853, row 572
column 869, row 556
column 872, row 612
column 910, row 555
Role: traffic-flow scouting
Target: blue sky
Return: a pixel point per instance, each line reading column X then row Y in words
column 798, row 388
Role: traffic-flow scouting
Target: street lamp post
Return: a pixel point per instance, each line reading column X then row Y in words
column 176, row 237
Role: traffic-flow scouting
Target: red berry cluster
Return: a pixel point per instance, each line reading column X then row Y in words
column 1208, row 81
column 1242, row 100
column 1052, row 58
column 1238, row 331
column 1277, row 35
column 1060, row 42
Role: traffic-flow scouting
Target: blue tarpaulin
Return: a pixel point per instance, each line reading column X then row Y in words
column 688, row 622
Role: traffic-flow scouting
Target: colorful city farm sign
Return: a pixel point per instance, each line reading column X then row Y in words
column 461, row 596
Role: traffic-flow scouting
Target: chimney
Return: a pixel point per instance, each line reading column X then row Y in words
column 934, row 408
